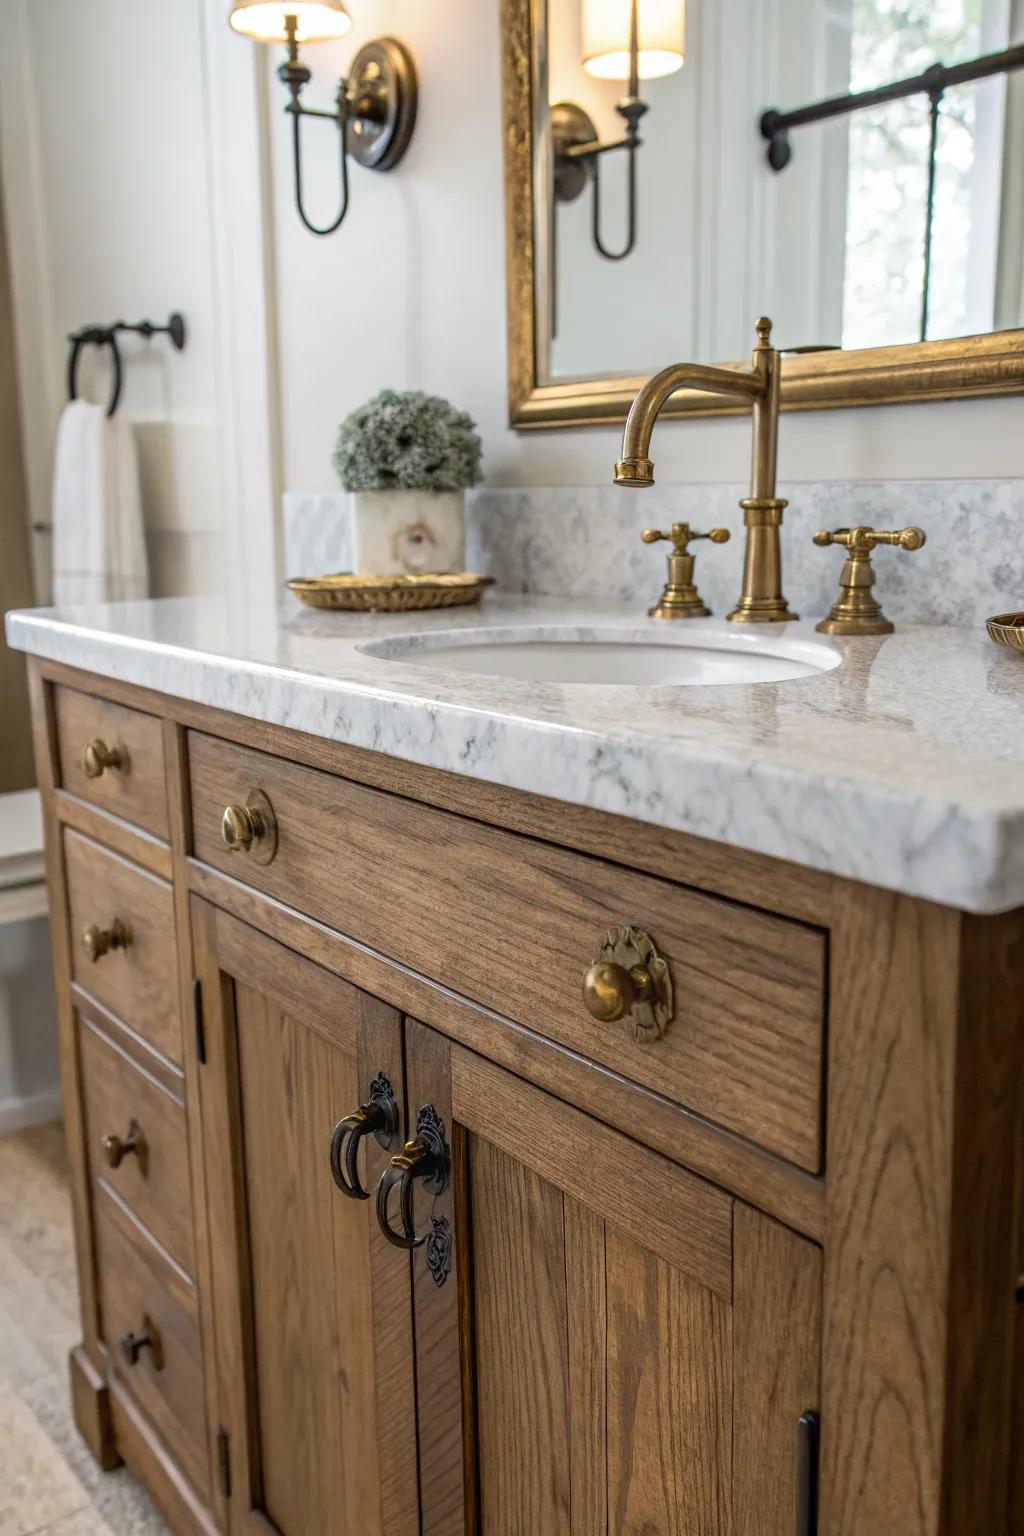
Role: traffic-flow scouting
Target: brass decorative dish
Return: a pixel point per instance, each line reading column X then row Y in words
column 1007, row 629
column 389, row 594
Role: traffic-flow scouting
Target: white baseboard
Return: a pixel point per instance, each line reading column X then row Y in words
column 20, row 1114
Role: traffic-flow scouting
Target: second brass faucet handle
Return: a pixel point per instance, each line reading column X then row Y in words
column 866, row 539
column 681, row 534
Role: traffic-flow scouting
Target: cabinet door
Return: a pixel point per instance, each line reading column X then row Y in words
column 605, row 1343
column 313, row 1322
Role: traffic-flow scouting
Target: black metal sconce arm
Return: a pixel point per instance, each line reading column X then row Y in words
column 374, row 113
column 591, row 155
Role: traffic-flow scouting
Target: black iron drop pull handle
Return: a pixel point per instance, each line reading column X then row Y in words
column 379, row 1117
column 426, row 1159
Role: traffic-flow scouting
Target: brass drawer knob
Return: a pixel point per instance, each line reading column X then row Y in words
column 630, row 980
column 100, row 941
column 148, row 1337
column 117, row 1148
column 98, row 757
column 250, row 827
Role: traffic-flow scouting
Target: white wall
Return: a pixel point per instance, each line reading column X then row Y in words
column 411, row 293
column 115, row 201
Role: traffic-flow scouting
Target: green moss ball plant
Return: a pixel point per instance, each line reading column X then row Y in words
column 405, row 440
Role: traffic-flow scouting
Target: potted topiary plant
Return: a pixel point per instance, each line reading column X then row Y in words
column 408, row 458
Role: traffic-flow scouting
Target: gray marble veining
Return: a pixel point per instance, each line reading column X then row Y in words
column 901, row 767
column 586, row 541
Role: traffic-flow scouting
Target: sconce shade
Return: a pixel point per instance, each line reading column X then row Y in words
column 661, row 25
column 263, row 20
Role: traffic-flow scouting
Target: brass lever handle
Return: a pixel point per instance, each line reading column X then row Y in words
column 681, row 534
column 148, row 1337
column 117, row 1148
column 680, row 598
column 856, row 612
column 250, row 827
column 630, row 980
column 379, row 1117
column 426, row 1159
column 98, row 757
column 100, row 941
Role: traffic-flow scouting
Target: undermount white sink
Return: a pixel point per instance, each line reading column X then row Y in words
column 692, row 654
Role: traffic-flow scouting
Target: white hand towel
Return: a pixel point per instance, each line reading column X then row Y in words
column 99, row 546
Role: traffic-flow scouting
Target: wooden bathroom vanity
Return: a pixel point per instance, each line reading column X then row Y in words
column 740, row 1262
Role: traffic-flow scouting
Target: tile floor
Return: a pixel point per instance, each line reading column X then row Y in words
column 48, row 1481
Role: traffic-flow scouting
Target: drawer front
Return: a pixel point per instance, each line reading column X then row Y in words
column 137, row 1142
column 125, row 772
column 115, row 904
column 144, row 1297
column 514, row 924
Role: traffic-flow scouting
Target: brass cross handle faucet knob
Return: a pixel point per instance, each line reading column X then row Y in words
column 680, row 599
column 856, row 612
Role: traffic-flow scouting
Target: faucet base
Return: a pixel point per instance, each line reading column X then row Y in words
column 751, row 610
column 761, row 600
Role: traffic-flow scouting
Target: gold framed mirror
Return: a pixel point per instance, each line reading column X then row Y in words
column 832, row 205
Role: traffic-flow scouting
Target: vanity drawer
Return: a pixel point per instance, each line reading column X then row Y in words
column 133, row 786
column 137, row 1142
column 514, row 924
column 143, row 1295
column 112, row 902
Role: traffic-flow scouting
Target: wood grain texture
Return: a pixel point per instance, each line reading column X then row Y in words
column 306, row 1347
column 521, row 1330
column 119, row 836
column 777, row 1342
column 776, row 1187
column 90, row 1405
column 524, row 920
column 652, row 1202
column 137, row 1281
column 919, row 1253
column 153, row 1464
column 670, row 1415
column 751, row 879
column 587, row 1364
column 154, row 1182
column 444, row 1389
column 139, row 983
column 137, row 792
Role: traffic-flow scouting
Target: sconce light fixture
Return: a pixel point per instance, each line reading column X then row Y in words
column 375, row 104
column 629, row 40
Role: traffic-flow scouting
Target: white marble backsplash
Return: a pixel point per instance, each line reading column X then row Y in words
column 585, row 542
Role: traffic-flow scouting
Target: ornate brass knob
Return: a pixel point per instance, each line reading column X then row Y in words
column 148, row 1337
column 379, row 1116
column 100, row 941
column 117, row 1148
column 629, row 979
column 98, row 757
column 250, row 827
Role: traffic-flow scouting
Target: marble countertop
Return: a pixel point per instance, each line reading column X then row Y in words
column 901, row 767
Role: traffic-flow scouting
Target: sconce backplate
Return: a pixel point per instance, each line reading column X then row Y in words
column 570, row 127
column 382, row 92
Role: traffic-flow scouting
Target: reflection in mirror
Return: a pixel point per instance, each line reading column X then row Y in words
column 667, row 214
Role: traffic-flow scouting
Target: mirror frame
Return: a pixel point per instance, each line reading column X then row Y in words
column 965, row 366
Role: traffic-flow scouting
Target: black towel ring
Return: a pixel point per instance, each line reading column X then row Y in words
column 106, row 336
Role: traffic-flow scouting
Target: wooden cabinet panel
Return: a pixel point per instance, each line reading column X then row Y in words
column 142, row 1291
column 136, row 788
column 137, row 981
column 608, row 1379
column 314, row 1333
column 514, row 924
column 152, row 1179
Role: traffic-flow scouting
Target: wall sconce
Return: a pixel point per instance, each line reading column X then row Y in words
column 629, row 40
column 375, row 105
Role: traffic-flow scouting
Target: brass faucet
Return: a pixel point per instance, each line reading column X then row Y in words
column 761, row 600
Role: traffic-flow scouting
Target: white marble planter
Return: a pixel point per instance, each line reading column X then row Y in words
column 407, row 532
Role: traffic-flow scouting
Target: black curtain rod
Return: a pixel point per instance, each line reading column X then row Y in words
column 933, row 82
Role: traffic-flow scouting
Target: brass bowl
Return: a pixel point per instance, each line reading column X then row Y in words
column 389, row 594
column 1007, row 629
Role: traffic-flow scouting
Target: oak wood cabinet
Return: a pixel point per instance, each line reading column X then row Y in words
column 747, row 1267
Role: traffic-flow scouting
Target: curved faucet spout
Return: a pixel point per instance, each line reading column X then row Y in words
column 761, row 600
column 635, row 467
